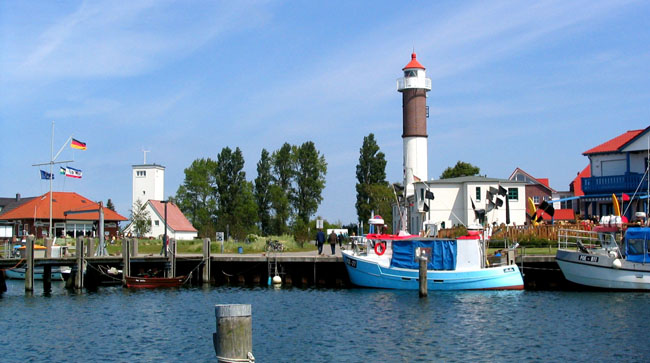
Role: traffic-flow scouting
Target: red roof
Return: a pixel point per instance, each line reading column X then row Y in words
column 543, row 181
column 559, row 215
column 175, row 218
column 614, row 144
column 413, row 63
column 577, row 182
column 39, row 208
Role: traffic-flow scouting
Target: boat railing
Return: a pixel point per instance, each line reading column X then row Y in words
column 586, row 241
column 359, row 245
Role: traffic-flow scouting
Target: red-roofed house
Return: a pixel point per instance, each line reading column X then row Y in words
column 536, row 189
column 616, row 166
column 33, row 216
column 178, row 227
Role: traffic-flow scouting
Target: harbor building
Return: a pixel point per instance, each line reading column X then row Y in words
column 148, row 182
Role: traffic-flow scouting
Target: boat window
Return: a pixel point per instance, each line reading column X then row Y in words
column 635, row 246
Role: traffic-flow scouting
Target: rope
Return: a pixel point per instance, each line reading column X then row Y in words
column 18, row 264
column 249, row 359
column 189, row 275
column 102, row 272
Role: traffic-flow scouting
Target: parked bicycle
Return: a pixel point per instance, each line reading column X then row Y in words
column 274, row 246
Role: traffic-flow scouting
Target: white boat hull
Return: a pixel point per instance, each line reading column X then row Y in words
column 598, row 271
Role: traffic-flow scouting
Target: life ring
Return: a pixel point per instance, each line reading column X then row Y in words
column 380, row 248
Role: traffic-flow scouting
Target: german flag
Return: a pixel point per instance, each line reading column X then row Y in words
column 76, row 144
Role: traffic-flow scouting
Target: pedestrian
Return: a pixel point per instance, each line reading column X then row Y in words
column 320, row 240
column 332, row 240
column 340, row 239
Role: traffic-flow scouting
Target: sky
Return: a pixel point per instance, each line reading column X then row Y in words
column 514, row 84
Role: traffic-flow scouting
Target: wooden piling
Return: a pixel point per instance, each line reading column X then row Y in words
column 3, row 283
column 90, row 245
column 126, row 259
column 48, row 247
column 134, row 247
column 233, row 340
column 423, row 276
column 205, row 276
column 79, row 277
column 29, row 259
column 172, row 257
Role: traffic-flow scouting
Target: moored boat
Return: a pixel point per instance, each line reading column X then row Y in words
column 595, row 258
column 154, row 282
column 391, row 262
column 18, row 273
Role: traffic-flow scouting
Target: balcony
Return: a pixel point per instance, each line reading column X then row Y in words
column 413, row 82
column 614, row 184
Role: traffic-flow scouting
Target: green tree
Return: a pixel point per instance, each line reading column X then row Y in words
column 460, row 169
column 109, row 205
column 371, row 180
column 140, row 219
column 263, row 191
column 283, row 171
column 196, row 197
column 232, row 190
column 311, row 169
column 381, row 197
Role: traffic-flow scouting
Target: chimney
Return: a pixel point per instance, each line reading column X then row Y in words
column 17, row 197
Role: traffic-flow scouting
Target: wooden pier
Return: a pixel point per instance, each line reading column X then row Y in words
column 295, row 269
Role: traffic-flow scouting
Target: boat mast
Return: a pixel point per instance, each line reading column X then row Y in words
column 51, row 164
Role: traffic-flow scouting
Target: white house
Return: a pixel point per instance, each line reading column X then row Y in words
column 452, row 203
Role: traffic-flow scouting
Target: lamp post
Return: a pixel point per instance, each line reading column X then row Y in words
column 165, row 222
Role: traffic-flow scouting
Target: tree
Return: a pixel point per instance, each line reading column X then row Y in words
column 460, row 169
column 311, row 169
column 371, row 175
column 381, row 198
column 263, row 191
column 232, row 191
column 109, row 205
column 140, row 219
column 281, row 190
column 196, row 197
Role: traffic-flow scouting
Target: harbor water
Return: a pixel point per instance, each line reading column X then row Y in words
column 115, row 324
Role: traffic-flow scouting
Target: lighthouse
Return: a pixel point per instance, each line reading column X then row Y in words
column 414, row 87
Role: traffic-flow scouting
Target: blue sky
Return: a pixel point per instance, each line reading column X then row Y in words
column 514, row 84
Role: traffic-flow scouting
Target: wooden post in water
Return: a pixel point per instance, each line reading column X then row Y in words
column 48, row 247
column 205, row 277
column 79, row 277
column 233, row 341
column 423, row 276
column 172, row 245
column 91, row 246
column 126, row 259
column 29, row 259
column 3, row 284
column 134, row 248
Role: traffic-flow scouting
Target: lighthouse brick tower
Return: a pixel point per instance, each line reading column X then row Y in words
column 414, row 87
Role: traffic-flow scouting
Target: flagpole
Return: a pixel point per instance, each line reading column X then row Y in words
column 51, row 177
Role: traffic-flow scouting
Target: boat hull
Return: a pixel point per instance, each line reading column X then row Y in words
column 154, row 282
column 368, row 273
column 19, row 274
column 598, row 271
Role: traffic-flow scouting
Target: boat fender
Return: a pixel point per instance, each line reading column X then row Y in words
column 617, row 264
column 380, row 248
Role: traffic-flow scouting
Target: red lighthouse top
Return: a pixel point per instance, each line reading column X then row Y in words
column 413, row 63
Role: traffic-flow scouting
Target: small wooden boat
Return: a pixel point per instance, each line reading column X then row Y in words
column 154, row 282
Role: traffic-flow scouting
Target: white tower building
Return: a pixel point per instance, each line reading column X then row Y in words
column 414, row 87
column 148, row 183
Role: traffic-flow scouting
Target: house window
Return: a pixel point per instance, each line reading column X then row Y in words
column 478, row 194
column 536, row 199
column 422, row 194
column 157, row 223
column 513, row 193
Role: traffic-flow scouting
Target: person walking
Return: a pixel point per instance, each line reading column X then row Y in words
column 320, row 240
column 340, row 239
column 332, row 240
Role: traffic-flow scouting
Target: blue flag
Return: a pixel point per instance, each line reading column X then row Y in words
column 46, row 175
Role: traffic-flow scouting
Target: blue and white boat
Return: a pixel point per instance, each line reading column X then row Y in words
column 595, row 258
column 392, row 262
column 18, row 273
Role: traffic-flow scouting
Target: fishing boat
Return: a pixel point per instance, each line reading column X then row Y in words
column 392, row 262
column 596, row 259
column 154, row 282
column 18, row 273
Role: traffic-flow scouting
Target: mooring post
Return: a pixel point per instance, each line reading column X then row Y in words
column 91, row 246
column 3, row 284
column 423, row 276
column 205, row 277
column 134, row 248
column 126, row 260
column 48, row 247
column 79, row 277
column 29, row 259
column 172, row 245
column 233, row 341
